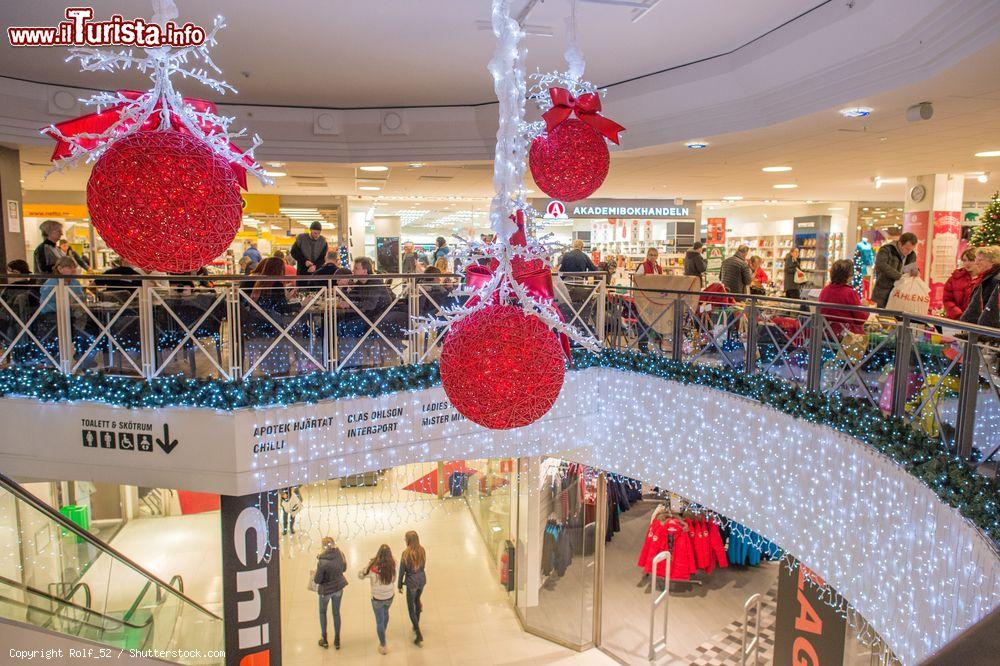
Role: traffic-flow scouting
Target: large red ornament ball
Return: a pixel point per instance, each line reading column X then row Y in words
column 502, row 368
column 164, row 201
column 570, row 162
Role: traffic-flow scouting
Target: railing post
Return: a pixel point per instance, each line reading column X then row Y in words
column 329, row 322
column 968, row 384
column 235, row 330
column 814, row 377
column 413, row 296
column 677, row 351
column 147, row 334
column 753, row 315
column 901, row 369
column 602, row 314
column 64, row 326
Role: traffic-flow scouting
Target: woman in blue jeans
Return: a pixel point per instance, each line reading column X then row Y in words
column 412, row 575
column 381, row 573
column 330, row 584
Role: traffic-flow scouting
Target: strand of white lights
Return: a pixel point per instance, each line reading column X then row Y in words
column 507, row 68
column 160, row 64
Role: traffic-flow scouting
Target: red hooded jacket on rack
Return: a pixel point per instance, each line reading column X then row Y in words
column 671, row 535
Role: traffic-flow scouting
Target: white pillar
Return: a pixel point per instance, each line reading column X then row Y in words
column 356, row 225
column 933, row 211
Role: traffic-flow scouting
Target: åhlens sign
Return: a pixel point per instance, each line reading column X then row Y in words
column 616, row 208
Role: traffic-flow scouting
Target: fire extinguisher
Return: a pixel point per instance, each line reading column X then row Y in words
column 507, row 566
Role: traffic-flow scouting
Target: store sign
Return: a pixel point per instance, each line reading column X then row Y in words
column 251, row 587
column 623, row 208
column 556, row 210
column 808, row 631
column 716, row 231
column 917, row 222
column 59, row 211
column 260, row 204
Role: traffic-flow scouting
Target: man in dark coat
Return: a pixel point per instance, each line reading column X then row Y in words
column 735, row 273
column 891, row 260
column 576, row 260
column 694, row 263
column 309, row 250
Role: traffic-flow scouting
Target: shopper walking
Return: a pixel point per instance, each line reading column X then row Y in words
column 792, row 267
column 694, row 263
column 840, row 292
column 441, row 251
column 890, row 262
column 309, row 250
column 735, row 273
column 983, row 306
column 381, row 573
column 330, row 583
column 412, row 575
column 959, row 287
column 47, row 253
column 290, row 500
column 576, row 260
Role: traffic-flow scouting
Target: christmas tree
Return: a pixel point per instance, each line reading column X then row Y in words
column 988, row 232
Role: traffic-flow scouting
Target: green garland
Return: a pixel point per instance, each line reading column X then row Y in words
column 975, row 496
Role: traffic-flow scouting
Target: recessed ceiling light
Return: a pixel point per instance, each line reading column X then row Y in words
column 276, row 165
column 732, row 198
column 275, row 174
column 856, row 111
column 417, row 165
column 810, row 201
column 374, row 168
column 989, row 153
column 369, row 188
column 835, row 208
column 785, row 186
column 982, row 178
column 696, row 145
column 776, row 169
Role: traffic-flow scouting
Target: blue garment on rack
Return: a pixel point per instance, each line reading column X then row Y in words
column 747, row 548
column 867, row 254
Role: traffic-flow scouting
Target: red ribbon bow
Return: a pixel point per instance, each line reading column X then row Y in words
column 533, row 275
column 97, row 123
column 587, row 108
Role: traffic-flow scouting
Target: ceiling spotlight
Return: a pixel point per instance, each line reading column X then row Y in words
column 835, row 208
column 275, row 174
column 989, row 153
column 983, row 177
column 857, row 112
column 732, row 198
column 417, row 165
column 785, row 186
column 776, row 169
column 369, row 188
column 696, row 145
column 276, row 165
column 374, row 168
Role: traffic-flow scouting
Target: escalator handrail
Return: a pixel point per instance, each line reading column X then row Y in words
column 86, row 590
column 65, row 602
column 20, row 493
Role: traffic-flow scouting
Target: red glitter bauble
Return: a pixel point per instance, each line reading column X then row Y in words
column 164, row 201
column 570, row 162
column 502, row 368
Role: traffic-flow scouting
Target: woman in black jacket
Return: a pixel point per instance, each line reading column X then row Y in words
column 412, row 575
column 330, row 584
column 792, row 266
column 984, row 309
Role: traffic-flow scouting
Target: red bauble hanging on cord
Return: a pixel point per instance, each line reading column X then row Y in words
column 502, row 368
column 570, row 162
column 164, row 201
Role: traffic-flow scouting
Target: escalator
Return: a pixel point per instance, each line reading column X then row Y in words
column 70, row 582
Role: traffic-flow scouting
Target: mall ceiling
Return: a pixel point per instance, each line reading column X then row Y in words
column 832, row 158
column 379, row 53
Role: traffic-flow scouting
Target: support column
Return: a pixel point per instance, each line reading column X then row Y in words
column 387, row 247
column 356, row 226
column 933, row 211
column 12, row 217
column 251, row 579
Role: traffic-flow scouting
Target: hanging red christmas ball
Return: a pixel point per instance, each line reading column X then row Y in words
column 164, row 201
column 570, row 162
column 502, row 368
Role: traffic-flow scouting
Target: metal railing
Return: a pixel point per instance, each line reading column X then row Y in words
column 942, row 376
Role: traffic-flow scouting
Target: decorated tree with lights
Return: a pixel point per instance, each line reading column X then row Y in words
column 988, row 232
column 164, row 192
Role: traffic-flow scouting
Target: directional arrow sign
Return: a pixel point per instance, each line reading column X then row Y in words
column 166, row 443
